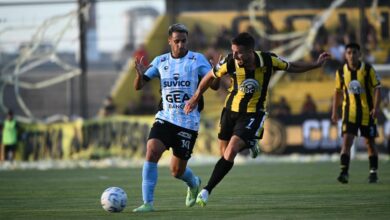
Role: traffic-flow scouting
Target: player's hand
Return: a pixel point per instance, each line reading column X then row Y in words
column 139, row 66
column 322, row 58
column 217, row 66
column 374, row 113
column 190, row 105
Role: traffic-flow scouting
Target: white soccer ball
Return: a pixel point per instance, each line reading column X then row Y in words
column 113, row 199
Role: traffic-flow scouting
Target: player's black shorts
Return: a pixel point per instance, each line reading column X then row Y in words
column 369, row 131
column 180, row 139
column 247, row 126
column 10, row 148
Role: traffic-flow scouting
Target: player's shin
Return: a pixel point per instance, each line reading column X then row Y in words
column 149, row 180
column 220, row 170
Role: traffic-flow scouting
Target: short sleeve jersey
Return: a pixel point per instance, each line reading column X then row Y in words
column 179, row 79
column 358, row 92
column 248, row 91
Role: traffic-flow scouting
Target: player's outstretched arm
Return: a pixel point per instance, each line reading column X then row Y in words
column 140, row 69
column 203, row 86
column 300, row 67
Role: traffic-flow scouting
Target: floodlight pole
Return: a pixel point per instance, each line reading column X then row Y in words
column 83, row 61
column 172, row 11
column 363, row 29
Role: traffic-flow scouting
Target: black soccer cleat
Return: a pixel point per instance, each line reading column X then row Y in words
column 343, row 178
column 373, row 178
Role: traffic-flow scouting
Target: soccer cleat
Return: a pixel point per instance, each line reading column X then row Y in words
column 147, row 207
column 202, row 198
column 373, row 177
column 343, row 178
column 255, row 150
column 192, row 192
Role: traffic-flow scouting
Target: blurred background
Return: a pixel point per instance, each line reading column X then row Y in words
column 67, row 70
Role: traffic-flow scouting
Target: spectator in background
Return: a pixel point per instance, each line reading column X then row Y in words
column 309, row 106
column 386, row 113
column 288, row 26
column 282, row 108
column 251, row 30
column 336, row 49
column 120, row 59
column 322, row 36
column 131, row 108
column 197, row 40
column 316, row 51
column 109, row 107
column 388, row 56
column 349, row 37
column 370, row 38
column 148, row 103
column 9, row 137
column 223, row 39
column 343, row 24
column 269, row 26
column 368, row 57
column 265, row 44
column 142, row 52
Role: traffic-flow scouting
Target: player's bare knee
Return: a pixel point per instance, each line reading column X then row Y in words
column 152, row 156
column 230, row 154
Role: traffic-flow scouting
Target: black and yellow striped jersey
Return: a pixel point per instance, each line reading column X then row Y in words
column 248, row 91
column 358, row 92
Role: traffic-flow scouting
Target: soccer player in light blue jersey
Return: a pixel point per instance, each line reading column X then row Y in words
column 179, row 72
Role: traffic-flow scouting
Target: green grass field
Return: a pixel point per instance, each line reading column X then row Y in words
column 253, row 191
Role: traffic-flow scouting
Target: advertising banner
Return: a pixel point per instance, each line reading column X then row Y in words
column 126, row 136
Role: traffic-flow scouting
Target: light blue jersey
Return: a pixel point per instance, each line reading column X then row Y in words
column 179, row 79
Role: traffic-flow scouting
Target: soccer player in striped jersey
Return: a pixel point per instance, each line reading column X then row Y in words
column 243, row 116
column 358, row 86
column 179, row 72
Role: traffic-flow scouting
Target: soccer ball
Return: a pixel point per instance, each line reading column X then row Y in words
column 113, row 199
